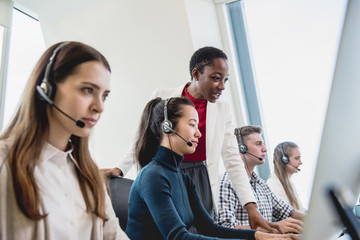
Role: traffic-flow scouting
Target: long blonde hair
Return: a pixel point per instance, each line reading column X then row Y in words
column 29, row 129
column 281, row 173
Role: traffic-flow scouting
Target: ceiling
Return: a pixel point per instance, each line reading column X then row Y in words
column 52, row 10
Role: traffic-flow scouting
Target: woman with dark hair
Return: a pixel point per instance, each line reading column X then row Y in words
column 209, row 73
column 287, row 160
column 50, row 186
column 163, row 201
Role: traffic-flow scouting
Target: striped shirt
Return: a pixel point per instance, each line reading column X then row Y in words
column 232, row 213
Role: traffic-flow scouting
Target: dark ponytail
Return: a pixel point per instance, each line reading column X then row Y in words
column 147, row 141
column 150, row 131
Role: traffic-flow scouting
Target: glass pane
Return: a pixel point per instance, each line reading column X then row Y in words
column 2, row 80
column 294, row 46
column 26, row 46
column 1, row 40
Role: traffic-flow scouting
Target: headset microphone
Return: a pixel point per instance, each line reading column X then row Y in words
column 285, row 158
column 171, row 130
column 294, row 167
column 254, row 155
column 242, row 147
column 167, row 125
column 40, row 91
column 44, row 89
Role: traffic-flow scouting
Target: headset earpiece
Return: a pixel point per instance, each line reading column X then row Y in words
column 45, row 88
column 167, row 125
column 242, row 147
column 284, row 157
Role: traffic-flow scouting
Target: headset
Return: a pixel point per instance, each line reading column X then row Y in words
column 167, row 124
column 284, row 157
column 242, row 147
column 45, row 89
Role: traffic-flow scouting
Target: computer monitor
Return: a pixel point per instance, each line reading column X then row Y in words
column 339, row 156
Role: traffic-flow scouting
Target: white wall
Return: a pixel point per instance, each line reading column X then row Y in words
column 148, row 45
column 208, row 26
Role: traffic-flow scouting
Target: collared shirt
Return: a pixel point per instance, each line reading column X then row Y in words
column 61, row 195
column 232, row 213
column 60, row 198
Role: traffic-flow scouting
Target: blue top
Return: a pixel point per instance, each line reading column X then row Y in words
column 163, row 204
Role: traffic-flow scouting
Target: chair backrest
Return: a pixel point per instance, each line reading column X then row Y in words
column 119, row 194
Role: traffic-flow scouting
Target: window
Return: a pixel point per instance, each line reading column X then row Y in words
column 4, row 36
column 286, row 53
column 26, row 47
column 1, row 40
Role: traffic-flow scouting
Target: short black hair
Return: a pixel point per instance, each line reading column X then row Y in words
column 205, row 57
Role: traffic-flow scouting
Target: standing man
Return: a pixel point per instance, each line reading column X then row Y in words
column 231, row 213
column 209, row 73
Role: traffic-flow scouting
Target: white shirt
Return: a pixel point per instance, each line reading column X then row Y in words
column 61, row 195
column 61, row 199
column 275, row 185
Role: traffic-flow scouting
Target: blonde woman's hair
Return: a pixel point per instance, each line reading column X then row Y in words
column 281, row 173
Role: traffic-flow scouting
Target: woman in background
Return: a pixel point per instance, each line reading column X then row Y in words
column 163, row 201
column 287, row 159
column 50, row 186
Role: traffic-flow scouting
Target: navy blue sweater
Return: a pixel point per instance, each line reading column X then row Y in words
column 163, row 204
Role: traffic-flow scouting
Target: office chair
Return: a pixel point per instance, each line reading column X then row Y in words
column 119, row 189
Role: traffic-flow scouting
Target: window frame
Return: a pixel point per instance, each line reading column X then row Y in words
column 4, row 63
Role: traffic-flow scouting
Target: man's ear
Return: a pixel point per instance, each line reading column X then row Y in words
column 195, row 74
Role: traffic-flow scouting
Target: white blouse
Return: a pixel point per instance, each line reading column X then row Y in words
column 61, row 195
column 61, row 199
column 275, row 185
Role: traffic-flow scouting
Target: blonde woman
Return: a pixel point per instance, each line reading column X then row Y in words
column 287, row 160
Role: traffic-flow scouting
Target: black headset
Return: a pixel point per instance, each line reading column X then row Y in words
column 45, row 89
column 167, row 124
column 242, row 147
column 284, row 157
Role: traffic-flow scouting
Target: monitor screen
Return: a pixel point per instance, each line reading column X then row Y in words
column 339, row 156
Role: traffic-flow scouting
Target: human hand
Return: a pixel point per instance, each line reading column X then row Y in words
column 291, row 225
column 111, row 172
column 256, row 220
column 264, row 236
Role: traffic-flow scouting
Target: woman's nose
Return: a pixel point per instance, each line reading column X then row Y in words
column 97, row 105
column 197, row 133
